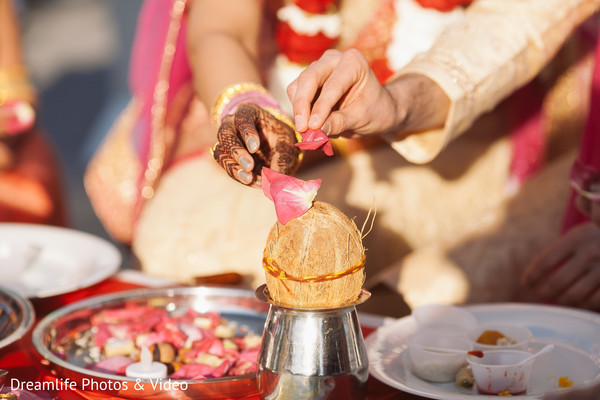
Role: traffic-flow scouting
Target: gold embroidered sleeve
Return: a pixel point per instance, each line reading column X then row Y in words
column 499, row 46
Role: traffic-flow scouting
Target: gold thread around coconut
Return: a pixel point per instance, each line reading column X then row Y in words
column 275, row 270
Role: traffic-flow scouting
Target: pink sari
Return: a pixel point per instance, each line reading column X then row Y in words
column 126, row 168
column 151, row 67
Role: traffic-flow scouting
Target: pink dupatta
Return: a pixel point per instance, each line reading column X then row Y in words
column 151, row 57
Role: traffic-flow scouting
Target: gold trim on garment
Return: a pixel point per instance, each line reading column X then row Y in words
column 162, row 137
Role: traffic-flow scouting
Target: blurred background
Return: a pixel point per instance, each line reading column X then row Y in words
column 78, row 55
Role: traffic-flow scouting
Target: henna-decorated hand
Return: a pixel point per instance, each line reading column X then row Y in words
column 252, row 138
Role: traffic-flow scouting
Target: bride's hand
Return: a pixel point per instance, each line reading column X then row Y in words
column 252, row 138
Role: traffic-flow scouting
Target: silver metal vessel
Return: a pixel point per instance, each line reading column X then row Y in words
column 312, row 354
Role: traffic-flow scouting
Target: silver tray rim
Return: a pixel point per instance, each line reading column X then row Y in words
column 27, row 317
column 134, row 294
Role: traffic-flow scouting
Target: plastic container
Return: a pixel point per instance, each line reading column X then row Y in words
column 497, row 371
column 517, row 337
column 429, row 360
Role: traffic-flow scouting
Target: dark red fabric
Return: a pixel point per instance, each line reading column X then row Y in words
column 589, row 148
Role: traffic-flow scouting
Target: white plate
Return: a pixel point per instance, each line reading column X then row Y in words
column 69, row 259
column 575, row 333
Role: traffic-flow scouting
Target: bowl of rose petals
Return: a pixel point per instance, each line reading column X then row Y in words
column 186, row 342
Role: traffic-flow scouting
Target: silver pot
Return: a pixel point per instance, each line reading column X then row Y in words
column 312, row 353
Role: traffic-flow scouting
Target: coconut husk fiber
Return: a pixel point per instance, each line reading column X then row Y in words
column 315, row 260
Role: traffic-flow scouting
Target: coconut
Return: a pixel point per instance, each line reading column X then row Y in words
column 315, row 260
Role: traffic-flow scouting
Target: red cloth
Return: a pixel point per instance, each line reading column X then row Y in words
column 588, row 160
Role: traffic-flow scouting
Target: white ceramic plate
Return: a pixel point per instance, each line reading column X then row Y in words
column 575, row 333
column 68, row 260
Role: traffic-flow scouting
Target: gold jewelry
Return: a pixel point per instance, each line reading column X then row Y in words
column 14, row 85
column 229, row 93
column 212, row 149
column 13, row 74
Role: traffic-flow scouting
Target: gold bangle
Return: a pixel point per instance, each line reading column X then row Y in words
column 228, row 93
column 22, row 91
column 212, row 149
column 11, row 75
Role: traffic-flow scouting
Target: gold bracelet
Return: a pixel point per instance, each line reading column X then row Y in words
column 212, row 149
column 228, row 93
column 23, row 91
column 15, row 85
column 12, row 75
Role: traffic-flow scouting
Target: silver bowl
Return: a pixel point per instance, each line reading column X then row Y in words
column 16, row 317
column 233, row 304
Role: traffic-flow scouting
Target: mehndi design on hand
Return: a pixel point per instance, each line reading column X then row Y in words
column 256, row 133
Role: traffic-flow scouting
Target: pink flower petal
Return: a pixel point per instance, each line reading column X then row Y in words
column 293, row 199
column 267, row 176
column 316, row 139
column 292, row 196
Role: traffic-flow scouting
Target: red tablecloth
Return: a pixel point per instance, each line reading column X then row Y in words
column 24, row 365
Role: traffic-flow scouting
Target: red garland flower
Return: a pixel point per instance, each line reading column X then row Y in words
column 315, row 6
column 301, row 49
column 443, row 5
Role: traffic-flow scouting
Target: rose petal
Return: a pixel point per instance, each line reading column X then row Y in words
column 327, row 148
column 293, row 197
column 267, row 176
column 316, row 139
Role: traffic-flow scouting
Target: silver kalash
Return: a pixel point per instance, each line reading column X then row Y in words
column 312, row 353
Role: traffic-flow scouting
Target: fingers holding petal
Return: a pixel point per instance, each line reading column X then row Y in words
column 348, row 75
column 305, row 90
